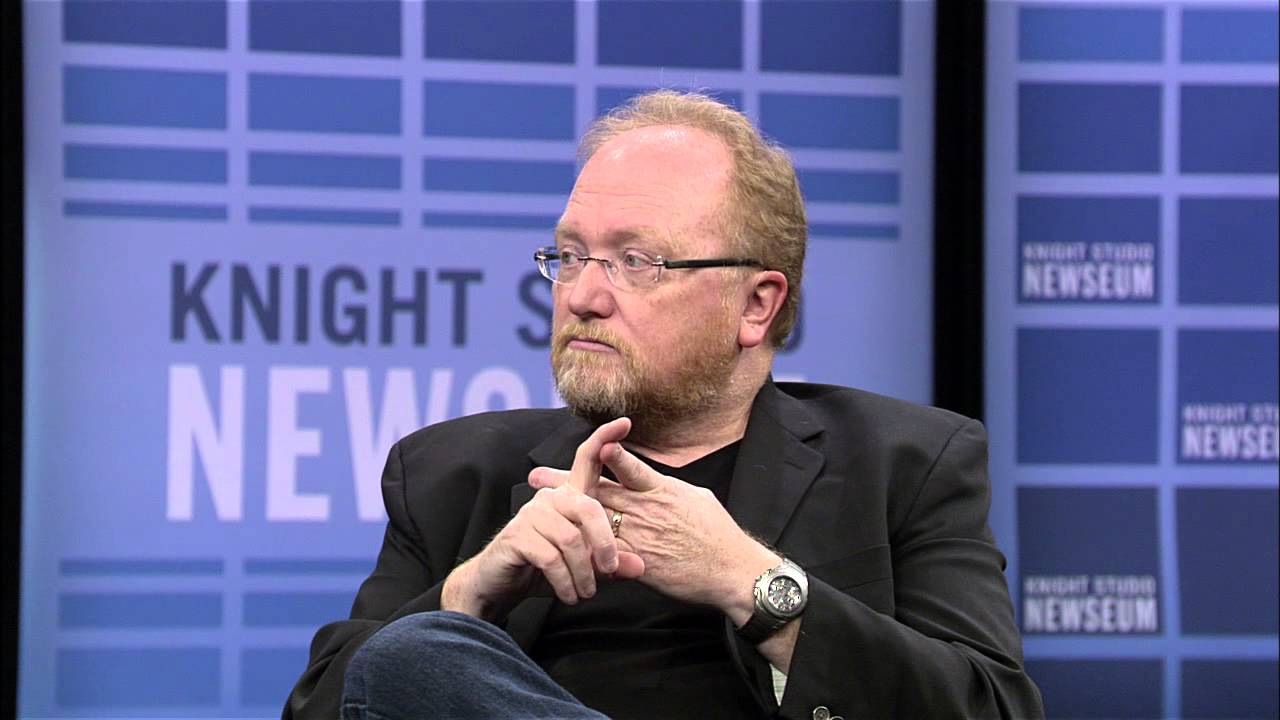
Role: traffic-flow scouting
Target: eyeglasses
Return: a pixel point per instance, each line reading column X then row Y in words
column 632, row 270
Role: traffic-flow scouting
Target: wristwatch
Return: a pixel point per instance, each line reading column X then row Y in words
column 780, row 596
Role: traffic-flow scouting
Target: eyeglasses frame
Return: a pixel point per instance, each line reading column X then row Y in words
column 544, row 254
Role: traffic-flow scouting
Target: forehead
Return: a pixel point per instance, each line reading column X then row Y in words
column 662, row 185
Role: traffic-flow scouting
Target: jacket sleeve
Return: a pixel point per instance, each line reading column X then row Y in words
column 951, row 648
column 402, row 583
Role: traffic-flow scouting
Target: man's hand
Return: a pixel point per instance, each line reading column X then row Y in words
column 692, row 549
column 562, row 538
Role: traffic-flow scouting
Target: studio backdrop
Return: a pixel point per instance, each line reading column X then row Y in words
column 1132, row 350
column 267, row 239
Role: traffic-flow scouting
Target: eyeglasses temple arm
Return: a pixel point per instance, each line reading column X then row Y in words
column 721, row 262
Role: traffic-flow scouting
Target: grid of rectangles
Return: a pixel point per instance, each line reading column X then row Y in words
column 1132, row 287
column 422, row 102
column 432, row 117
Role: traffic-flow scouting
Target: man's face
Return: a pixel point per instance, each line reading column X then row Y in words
column 661, row 351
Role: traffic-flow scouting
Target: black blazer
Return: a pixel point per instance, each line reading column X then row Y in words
column 884, row 503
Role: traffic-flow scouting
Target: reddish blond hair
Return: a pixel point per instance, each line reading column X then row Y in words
column 764, row 213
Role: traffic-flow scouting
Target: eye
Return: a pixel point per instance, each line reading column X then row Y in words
column 569, row 257
column 635, row 260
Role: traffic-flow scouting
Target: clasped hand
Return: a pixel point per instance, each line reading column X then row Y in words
column 674, row 537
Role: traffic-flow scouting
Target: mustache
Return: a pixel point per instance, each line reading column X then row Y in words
column 577, row 331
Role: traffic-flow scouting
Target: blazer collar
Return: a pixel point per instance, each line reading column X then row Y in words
column 556, row 451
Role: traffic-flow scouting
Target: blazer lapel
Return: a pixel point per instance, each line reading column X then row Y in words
column 774, row 470
column 524, row 624
column 775, row 466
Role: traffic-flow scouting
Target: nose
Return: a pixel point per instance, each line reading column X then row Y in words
column 592, row 295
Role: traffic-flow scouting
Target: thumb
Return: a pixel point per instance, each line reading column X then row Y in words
column 630, row 566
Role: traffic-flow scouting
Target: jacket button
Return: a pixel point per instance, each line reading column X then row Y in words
column 821, row 713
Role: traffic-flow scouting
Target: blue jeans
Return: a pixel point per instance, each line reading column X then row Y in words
column 450, row 665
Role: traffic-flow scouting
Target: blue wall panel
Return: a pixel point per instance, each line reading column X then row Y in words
column 1099, row 523
column 1221, row 132
column 499, row 176
column 137, row 210
column 1231, row 237
column 1088, row 127
column 139, row 610
column 268, row 238
column 143, row 97
column 497, row 110
column 339, row 27
column 538, row 31
column 324, row 170
column 841, row 122
column 83, row 161
column 1229, row 689
column 1230, row 34
column 175, row 23
column 842, row 186
column 1074, row 248
column 692, row 33
column 309, row 103
column 1131, row 350
column 114, row 680
column 859, row 38
column 263, row 671
column 1097, row 34
column 1102, row 689
column 1099, row 369
column 1229, row 581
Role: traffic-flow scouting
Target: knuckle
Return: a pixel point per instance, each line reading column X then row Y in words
column 570, row 540
column 534, row 514
column 545, row 560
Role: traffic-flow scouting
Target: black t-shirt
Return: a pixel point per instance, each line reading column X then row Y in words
column 631, row 652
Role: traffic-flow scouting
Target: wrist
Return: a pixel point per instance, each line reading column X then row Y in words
column 740, row 600
column 457, row 596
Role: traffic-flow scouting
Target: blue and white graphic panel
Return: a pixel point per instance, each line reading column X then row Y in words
column 1132, row 349
column 268, row 238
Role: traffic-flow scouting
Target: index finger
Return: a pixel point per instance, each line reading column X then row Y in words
column 631, row 472
column 587, row 465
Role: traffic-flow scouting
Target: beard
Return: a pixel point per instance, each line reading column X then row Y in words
column 603, row 386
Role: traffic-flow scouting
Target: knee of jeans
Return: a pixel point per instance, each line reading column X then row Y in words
column 407, row 642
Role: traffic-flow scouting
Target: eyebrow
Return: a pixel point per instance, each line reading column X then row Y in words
column 648, row 236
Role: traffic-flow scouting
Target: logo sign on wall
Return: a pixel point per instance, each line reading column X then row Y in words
column 1132, row 350
column 267, row 239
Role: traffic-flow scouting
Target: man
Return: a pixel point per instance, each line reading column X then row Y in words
column 751, row 550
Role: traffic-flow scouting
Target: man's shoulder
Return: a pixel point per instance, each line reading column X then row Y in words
column 483, row 437
column 869, row 415
column 524, row 426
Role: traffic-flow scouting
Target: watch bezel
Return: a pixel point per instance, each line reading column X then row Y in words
column 785, row 569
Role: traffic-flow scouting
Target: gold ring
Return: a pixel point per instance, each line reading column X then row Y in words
column 616, row 520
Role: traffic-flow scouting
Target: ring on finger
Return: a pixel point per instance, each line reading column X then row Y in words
column 616, row 522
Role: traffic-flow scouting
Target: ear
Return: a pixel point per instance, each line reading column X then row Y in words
column 764, row 300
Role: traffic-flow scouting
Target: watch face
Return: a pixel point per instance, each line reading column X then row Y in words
column 784, row 595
